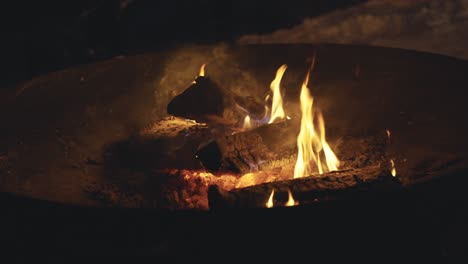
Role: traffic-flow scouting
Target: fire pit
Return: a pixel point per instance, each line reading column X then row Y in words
column 257, row 127
column 147, row 132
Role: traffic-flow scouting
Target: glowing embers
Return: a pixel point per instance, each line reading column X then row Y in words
column 267, row 149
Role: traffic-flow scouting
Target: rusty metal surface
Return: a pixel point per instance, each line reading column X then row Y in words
column 53, row 125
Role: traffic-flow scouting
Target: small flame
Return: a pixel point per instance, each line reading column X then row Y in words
column 247, row 124
column 388, row 133
column 393, row 170
column 277, row 101
column 269, row 204
column 202, row 70
column 291, row 201
column 311, row 143
column 330, row 157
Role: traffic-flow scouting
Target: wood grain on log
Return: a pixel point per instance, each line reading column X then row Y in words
column 305, row 190
column 251, row 150
column 274, row 145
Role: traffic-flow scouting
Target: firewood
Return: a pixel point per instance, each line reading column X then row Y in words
column 274, row 145
column 251, row 150
column 364, row 150
column 333, row 185
column 203, row 98
column 167, row 143
column 206, row 101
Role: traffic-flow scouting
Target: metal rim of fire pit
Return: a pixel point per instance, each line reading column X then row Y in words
column 413, row 94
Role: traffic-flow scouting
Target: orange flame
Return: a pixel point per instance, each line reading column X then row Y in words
column 311, row 143
column 202, row 70
column 306, row 137
column 247, row 124
column 330, row 157
column 277, row 111
column 269, row 204
column 388, row 133
column 291, row 201
column 393, row 170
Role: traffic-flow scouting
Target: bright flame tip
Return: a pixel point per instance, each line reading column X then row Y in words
column 202, row 70
column 269, row 203
column 277, row 111
column 393, row 170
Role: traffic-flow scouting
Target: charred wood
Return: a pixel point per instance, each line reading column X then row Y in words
column 364, row 150
column 333, row 185
column 251, row 150
column 168, row 143
column 274, row 145
column 206, row 101
column 203, row 98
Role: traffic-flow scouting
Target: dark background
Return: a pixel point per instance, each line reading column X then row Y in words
column 44, row 36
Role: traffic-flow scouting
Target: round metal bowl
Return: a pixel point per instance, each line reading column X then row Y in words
column 55, row 124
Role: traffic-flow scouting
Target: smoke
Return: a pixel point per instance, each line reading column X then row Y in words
column 436, row 26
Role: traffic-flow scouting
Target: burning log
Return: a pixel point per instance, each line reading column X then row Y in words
column 250, row 150
column 333, row 185
column 361, row 151
column 274, row 145
column 260, row 148
column 205, row 101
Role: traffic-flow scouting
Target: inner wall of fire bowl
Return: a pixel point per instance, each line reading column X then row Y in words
column 387, row 113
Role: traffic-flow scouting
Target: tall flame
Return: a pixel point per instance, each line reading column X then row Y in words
column 277, row 101
column 269, row 204
column 306, row 136
column 202, row 70
column 310, row 142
